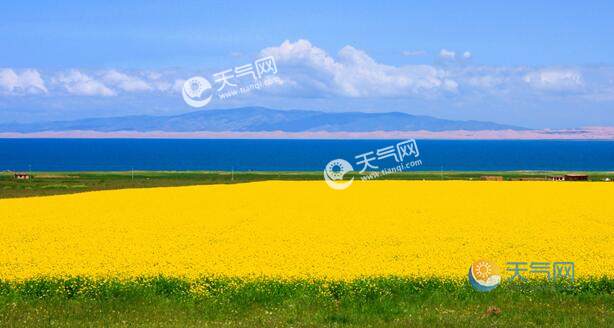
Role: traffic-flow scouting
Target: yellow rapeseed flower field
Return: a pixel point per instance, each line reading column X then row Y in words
column 307, row 230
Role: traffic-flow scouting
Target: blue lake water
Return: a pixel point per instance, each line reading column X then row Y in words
column 295, row 155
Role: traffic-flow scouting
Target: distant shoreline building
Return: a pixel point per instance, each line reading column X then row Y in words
column 576, row 177
column 569, row 177
column 23, row 176
column 492, row 177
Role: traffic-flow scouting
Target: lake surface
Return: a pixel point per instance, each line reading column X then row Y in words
column 295, row 155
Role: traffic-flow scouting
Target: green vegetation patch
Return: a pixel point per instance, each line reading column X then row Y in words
column 54, row 183
column 390, row 301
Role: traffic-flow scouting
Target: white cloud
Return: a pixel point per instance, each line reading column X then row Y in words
column 158, row 83
column 125, row 82
column 413, row 53
column 453, row 56
column 353, row 73
column 446, row 54
column 178, row 85
column 28, row 81
column 485, row 81
column 78, row 83
column 306, row 71
column 152, row 75
column 553, row 79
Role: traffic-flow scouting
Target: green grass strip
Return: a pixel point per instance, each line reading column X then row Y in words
column 387, row 301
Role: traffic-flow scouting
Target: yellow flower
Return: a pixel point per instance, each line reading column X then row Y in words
column 306, row 230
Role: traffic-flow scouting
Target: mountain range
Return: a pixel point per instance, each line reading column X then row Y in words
column 259, row 119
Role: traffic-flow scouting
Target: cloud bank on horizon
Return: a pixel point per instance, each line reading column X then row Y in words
column 310, row 78
column 308, row 70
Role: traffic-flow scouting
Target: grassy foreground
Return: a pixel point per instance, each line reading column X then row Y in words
column 391, row 301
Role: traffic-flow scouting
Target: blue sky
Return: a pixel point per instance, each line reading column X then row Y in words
column 533, row 64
